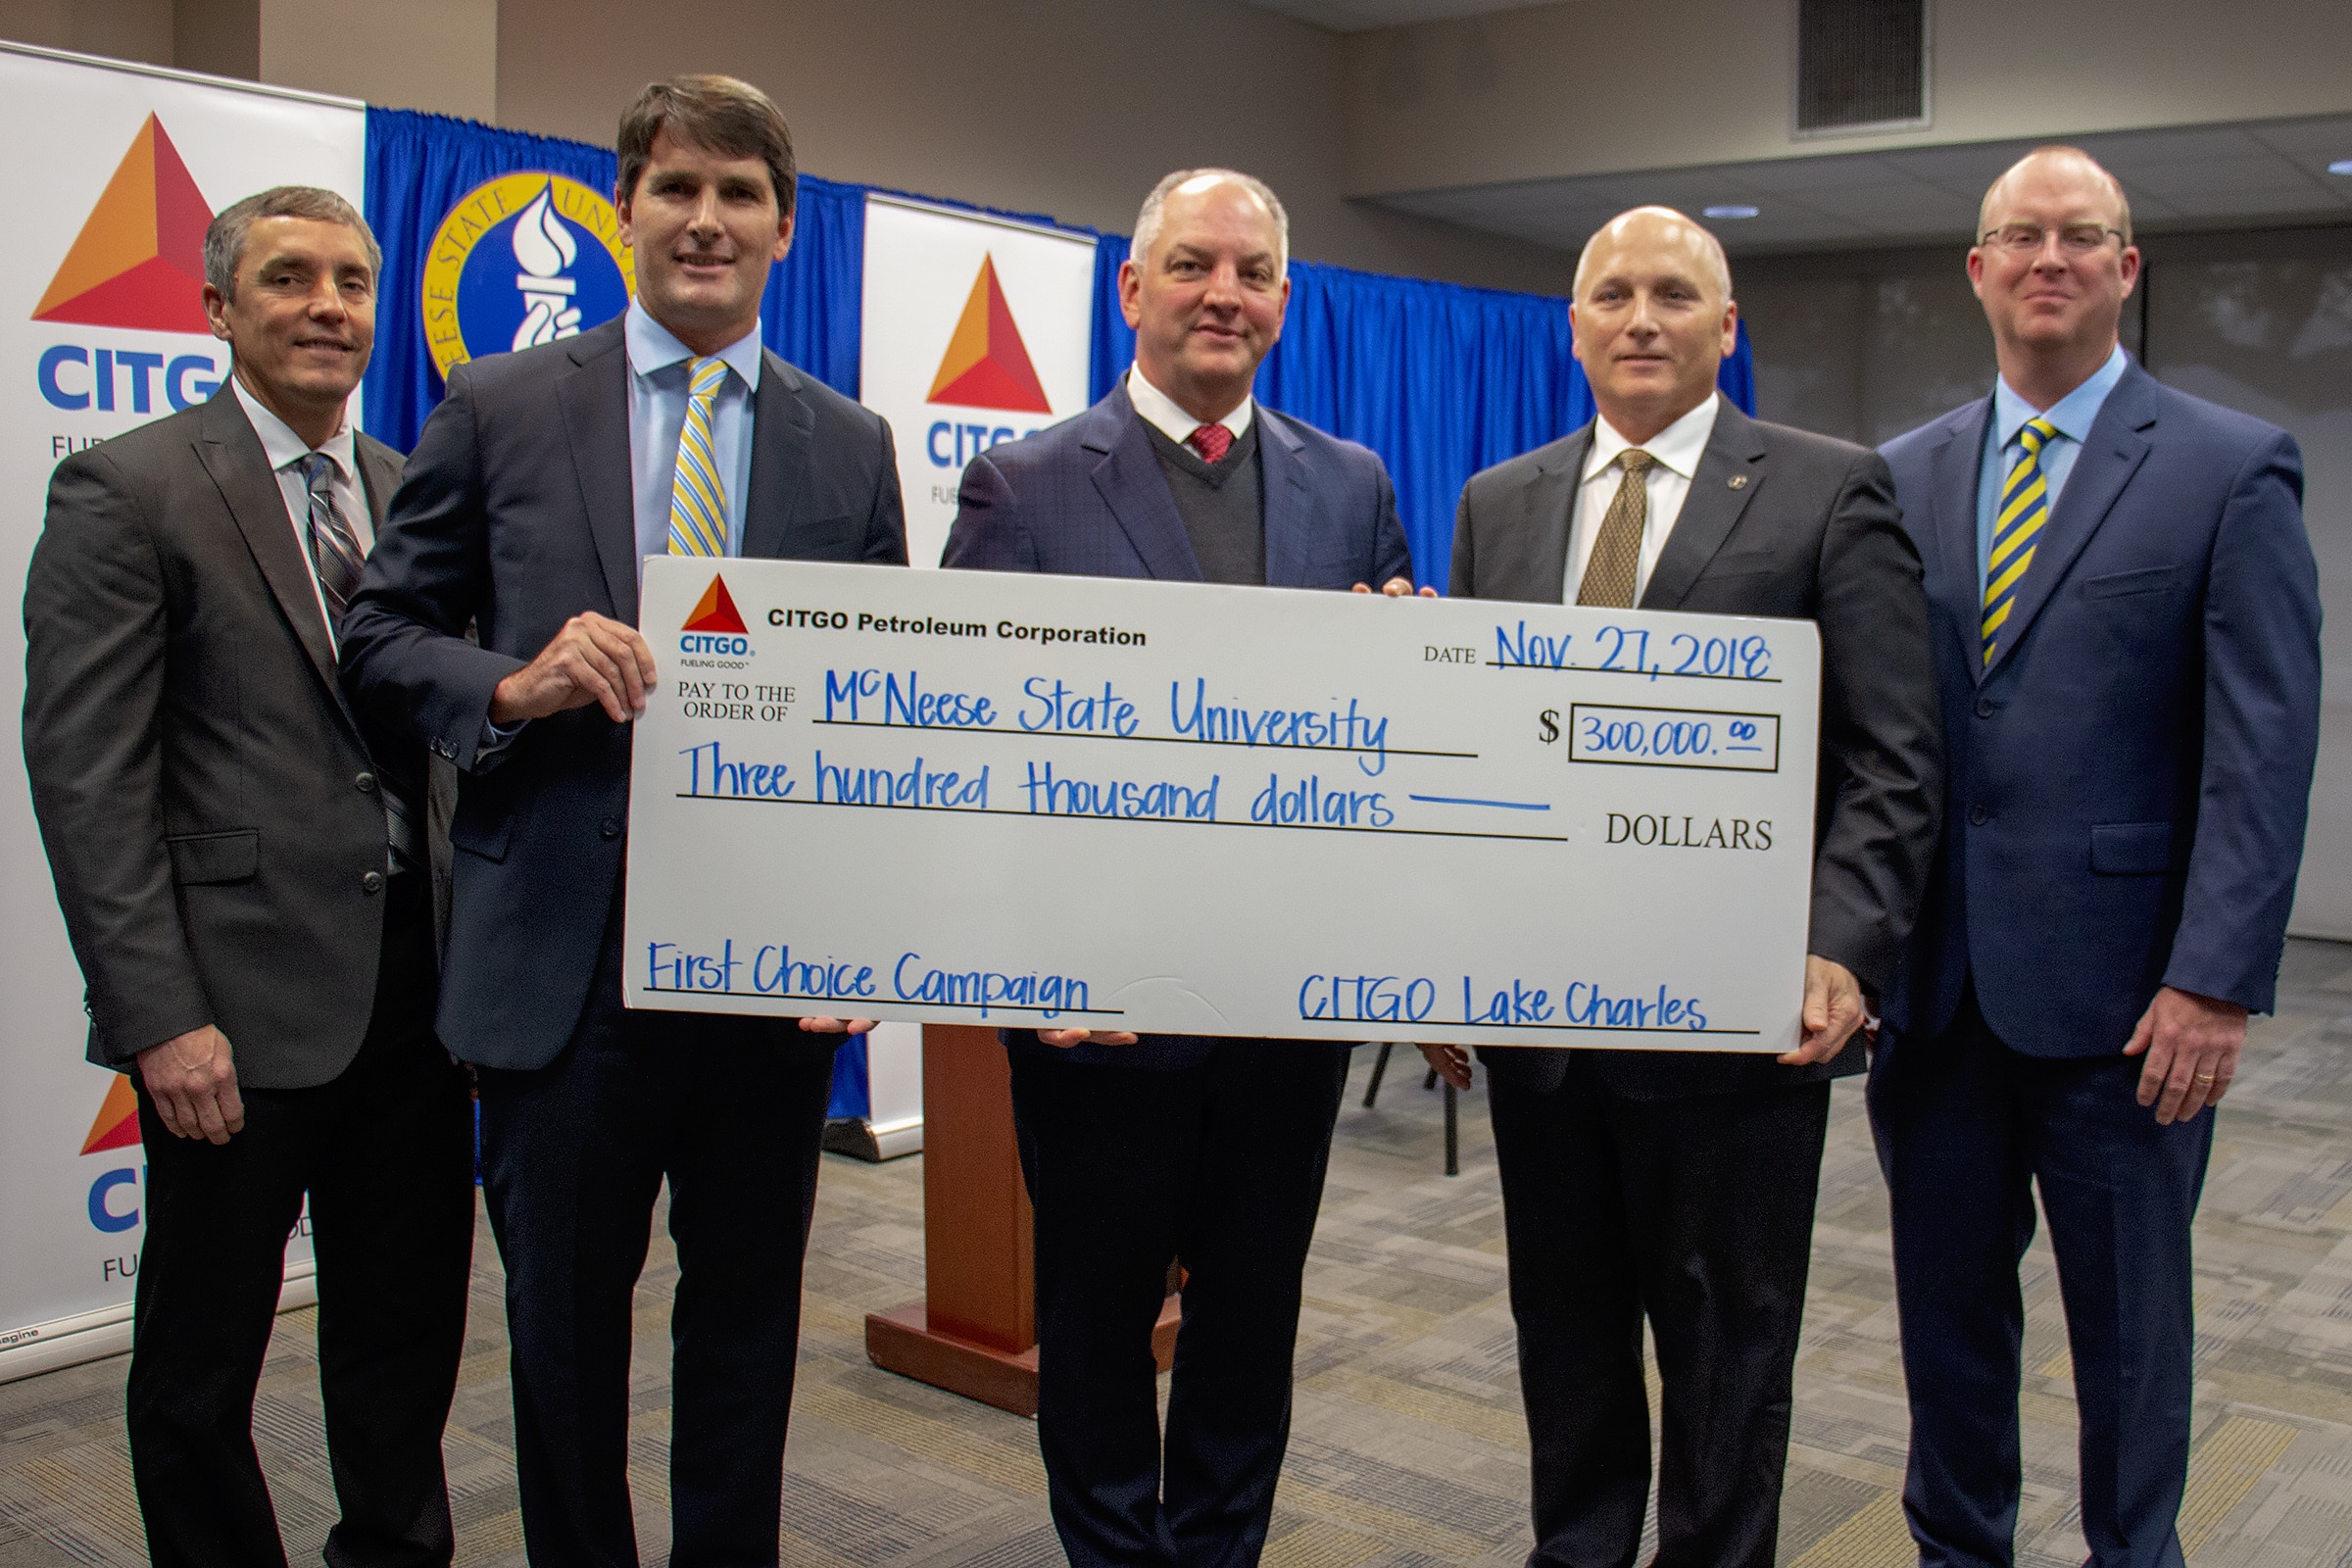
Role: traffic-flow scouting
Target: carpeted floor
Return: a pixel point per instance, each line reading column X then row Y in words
column 1408, row 1449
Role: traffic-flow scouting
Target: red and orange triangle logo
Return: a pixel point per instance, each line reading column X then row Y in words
column 118, row 1123
column 715, row 611
column 987, row 365
column 138, row 262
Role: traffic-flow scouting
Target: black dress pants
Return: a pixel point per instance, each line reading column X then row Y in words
column 1696, row 1213
column 730, row 1110
column 1218, row 1166
column 385, row 1152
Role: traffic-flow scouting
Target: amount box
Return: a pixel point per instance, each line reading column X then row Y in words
column 1673, row 737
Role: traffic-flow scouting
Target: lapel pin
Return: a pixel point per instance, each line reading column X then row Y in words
column 1739, row 481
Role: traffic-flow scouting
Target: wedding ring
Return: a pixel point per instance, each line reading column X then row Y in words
column 2203, row 1078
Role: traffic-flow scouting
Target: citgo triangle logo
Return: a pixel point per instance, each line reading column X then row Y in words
column 987, row 365
column 715, row 611
column 117, row 1122
column 138, row 262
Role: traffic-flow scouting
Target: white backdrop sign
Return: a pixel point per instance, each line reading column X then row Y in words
column 1035, row 800
column 101, row 329
column 975, row 332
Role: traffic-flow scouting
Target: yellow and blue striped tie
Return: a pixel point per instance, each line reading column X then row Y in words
column 697, row 499
column 2025, row 508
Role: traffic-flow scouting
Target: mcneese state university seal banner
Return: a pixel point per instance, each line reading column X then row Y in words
column 102, row 329
column 976, row 332
column 523, row 260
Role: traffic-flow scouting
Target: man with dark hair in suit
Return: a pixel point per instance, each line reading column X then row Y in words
column 534, row 490
column 2126, row 642
column 244, row 874
column 1209, row 1153
column 1673, row 1183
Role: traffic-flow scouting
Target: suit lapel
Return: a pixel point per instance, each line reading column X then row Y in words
column 783, row 428
column 595, row 401
column 232, row 455
column 2112, row 452
column 1131, row 485
column 1290, row 502
column 1730, row 471
column 1955, row 471
column 1550, row 502
column 379, row 476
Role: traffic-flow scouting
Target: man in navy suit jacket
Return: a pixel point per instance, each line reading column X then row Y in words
column 2127, row 641
column 535, row 489
column 1209, row 1153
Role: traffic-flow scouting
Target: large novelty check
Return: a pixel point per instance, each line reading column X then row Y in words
column 1075, row 801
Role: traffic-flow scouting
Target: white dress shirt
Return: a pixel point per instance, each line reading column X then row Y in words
column 1161, row 412
column 1678, row 449
column 285, row 451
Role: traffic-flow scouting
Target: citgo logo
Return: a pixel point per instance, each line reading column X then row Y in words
column 716, row 625
column 987, row 365
column 137, row 265
column 523, row 260
column 116, row 1126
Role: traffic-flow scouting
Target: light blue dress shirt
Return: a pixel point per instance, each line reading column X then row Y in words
column 2072, row 416
column 659, row 384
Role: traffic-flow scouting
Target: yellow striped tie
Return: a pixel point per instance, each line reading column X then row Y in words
column 698, row 500
column 2025, row 508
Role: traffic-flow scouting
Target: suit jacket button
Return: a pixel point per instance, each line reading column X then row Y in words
column 364, row 783
column 1977, row 814
column 1984, row 709
column 609, row 827
column 373, row 882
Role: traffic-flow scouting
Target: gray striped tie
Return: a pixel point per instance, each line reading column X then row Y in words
column 334, row 548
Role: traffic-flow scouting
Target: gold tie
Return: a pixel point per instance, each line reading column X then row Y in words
column 1616, row 560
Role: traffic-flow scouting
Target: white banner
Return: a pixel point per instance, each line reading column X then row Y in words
column 975, row 332
column 102, row 330
column 1037, row 800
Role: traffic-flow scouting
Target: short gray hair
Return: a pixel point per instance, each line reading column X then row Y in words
column 1146, row 221
column 224, row 237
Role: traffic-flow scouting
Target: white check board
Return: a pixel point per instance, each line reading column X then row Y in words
column 1170, row 807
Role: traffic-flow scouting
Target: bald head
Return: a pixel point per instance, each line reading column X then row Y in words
column 2060, row 169
column 1653, row 232
column 1652, row 318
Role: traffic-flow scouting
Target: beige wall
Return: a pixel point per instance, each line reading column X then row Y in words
column 124, row 29
column 1559, row 89
column 1071, row 108
column 440, row 55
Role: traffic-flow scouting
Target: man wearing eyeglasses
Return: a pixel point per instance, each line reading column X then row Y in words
column 2126, row 622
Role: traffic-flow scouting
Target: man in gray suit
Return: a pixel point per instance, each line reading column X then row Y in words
column 244, row 876
column 1675, row 1184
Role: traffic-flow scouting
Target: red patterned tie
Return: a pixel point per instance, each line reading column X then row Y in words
column 1211, row 441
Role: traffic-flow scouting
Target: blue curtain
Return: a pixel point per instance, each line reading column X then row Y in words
column 418, row 166
column 813, row 313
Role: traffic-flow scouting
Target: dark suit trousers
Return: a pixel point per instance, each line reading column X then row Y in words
column 385, row 1151
column 1696, row 1211
column 1218, row 1166
column 1967, row 1129
column 730, row 1110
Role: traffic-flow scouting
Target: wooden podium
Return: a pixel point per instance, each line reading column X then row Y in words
column 976, row 1331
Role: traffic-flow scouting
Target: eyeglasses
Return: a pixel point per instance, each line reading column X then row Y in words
column 2024, row 239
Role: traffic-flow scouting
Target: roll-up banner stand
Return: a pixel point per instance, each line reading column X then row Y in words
column 102, row 329
column 975, row 332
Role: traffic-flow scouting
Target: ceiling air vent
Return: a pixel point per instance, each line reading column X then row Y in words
column 1861, row 65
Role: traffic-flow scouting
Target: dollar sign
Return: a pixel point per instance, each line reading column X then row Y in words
column 1549, row 718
